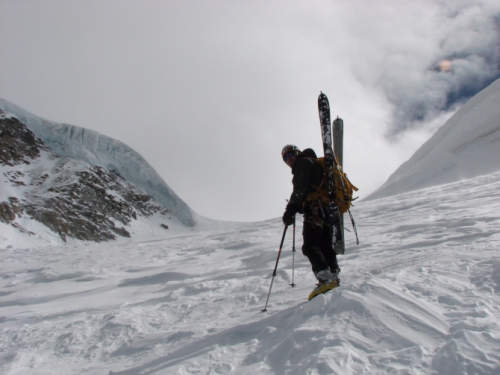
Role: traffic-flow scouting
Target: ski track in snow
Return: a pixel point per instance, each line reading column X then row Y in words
column 419, row 295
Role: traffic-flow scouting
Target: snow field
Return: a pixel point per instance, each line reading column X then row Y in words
column 419, row 295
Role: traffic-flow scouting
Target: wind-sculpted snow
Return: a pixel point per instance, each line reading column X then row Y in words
column 96, row 149
column 467, row 145
column 420, row 295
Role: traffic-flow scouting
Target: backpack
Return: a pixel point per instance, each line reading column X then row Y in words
column 344, row 189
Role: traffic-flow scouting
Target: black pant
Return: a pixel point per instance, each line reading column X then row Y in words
column 318, row 247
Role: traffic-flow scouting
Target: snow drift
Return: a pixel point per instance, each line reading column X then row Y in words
column 419, row 296
column 96, row 149
column 466, row 146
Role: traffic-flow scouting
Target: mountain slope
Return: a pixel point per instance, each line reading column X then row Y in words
column 47, row 198
column 96, row 149
column 467, row 145
column 420, row 295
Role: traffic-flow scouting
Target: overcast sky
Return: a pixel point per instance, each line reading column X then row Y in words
column 210, row 91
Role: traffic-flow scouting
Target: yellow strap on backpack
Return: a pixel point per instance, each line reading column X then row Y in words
column 343, row 187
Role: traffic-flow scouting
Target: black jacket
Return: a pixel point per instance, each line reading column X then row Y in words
column 307, row 173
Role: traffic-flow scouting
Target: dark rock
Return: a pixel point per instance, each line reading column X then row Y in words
column 20, row 228
column 6, row 213
column 121, row 231
column 18, row 145
column 8, row 210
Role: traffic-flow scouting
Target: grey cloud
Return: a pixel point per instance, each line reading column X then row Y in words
column 466, row 35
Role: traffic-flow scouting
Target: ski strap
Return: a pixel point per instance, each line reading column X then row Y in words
column 319, row 194
column 342, row 188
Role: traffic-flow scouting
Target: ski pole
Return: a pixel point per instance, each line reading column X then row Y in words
column 275, row 268
column 293, row 253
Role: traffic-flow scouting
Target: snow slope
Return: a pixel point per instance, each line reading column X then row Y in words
column 96, row 149
column 467, row 145
column 420, row 295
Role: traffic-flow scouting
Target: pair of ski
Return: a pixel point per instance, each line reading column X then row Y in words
column 333, row 152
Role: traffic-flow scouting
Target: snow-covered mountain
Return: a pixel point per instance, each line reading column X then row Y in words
column 96, row 149
column 93, row 188
column 466, row 146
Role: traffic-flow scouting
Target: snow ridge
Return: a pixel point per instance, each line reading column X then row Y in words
column 97, row 149
column 466, row 146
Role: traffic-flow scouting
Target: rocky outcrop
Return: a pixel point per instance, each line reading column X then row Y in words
column 9, row 210
column 18, row 144
column 96, row 206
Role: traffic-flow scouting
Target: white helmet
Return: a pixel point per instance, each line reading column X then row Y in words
column 289, row 148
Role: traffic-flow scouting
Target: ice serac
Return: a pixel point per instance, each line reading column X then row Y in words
column 97, row 149
column 466, row 146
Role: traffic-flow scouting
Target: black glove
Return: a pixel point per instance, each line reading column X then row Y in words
column 288, row 219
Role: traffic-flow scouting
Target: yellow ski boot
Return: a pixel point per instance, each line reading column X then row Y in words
column 327, row 281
